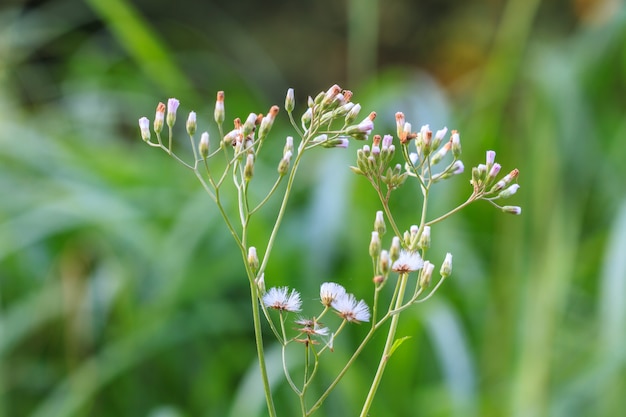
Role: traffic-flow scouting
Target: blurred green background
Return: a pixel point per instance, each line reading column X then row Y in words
column 122, row 293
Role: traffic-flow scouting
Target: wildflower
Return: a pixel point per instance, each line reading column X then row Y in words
column 279, row 298
column 311, row 327
column 407, row 262
column 330, row 291
column 439, row 135
column 144, row 127
column 172, row 106
column 351, row 310
column 283, row 165
column 268, row 121
column 491, row 157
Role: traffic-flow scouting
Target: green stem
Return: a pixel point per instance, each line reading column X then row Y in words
column 258, row 336
column 387, row 350
column 469, row 201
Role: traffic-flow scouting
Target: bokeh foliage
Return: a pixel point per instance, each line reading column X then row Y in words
column 121, row 292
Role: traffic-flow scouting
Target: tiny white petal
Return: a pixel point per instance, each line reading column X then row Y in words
column 407, row 262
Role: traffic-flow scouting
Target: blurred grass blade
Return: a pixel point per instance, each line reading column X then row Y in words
column 143, row 44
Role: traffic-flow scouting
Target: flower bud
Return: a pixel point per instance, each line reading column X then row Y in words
column 441, row 133
column 268, row 122
column 512, row 210
column 438, row 156
column 249, row 125
column 493, row 172
column 394, row 251
column 172, row 106
column 379, row 223
column 353, row 114
column 426, row 274
column 424, row 241
column 384, row 262
column 144, row 128
column 456, row 144
column 248, row 170
column 159, row 117
column 283, row 165
column 260, row 283
column 426, row 136
column 400, row 121
column 508, row 192
column 290, row 101
column 219, row 113
column 288, row 145
column 203, row 146
column 505, row 181
column 253, row 259
column 191, row 123
column 491, row 158
column 306, row 117
column 375, row 245
column 446, row 267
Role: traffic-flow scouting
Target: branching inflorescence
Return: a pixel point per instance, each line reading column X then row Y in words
column 330, row 121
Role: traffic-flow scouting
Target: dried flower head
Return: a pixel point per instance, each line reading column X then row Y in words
column 279, row 298
column 330, row 291
column 407, row 262
column 351, row 310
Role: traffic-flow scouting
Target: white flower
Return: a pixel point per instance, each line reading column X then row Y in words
column 351, row 310
column 280, row 299
column 407, row 262
column 330, row 291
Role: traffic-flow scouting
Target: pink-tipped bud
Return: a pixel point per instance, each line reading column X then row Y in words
column 268, row 121
column 446, row 267
column 144, row 128
column 426, row 136
column 400, row 121
column 219, row 114
column 438, row 156
column 191, row 123
column 505, row 181
column 159, row 118
column 458, row 167
column 491, row 158
column 290, row 101
column 172, row 107
column 493, row 172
